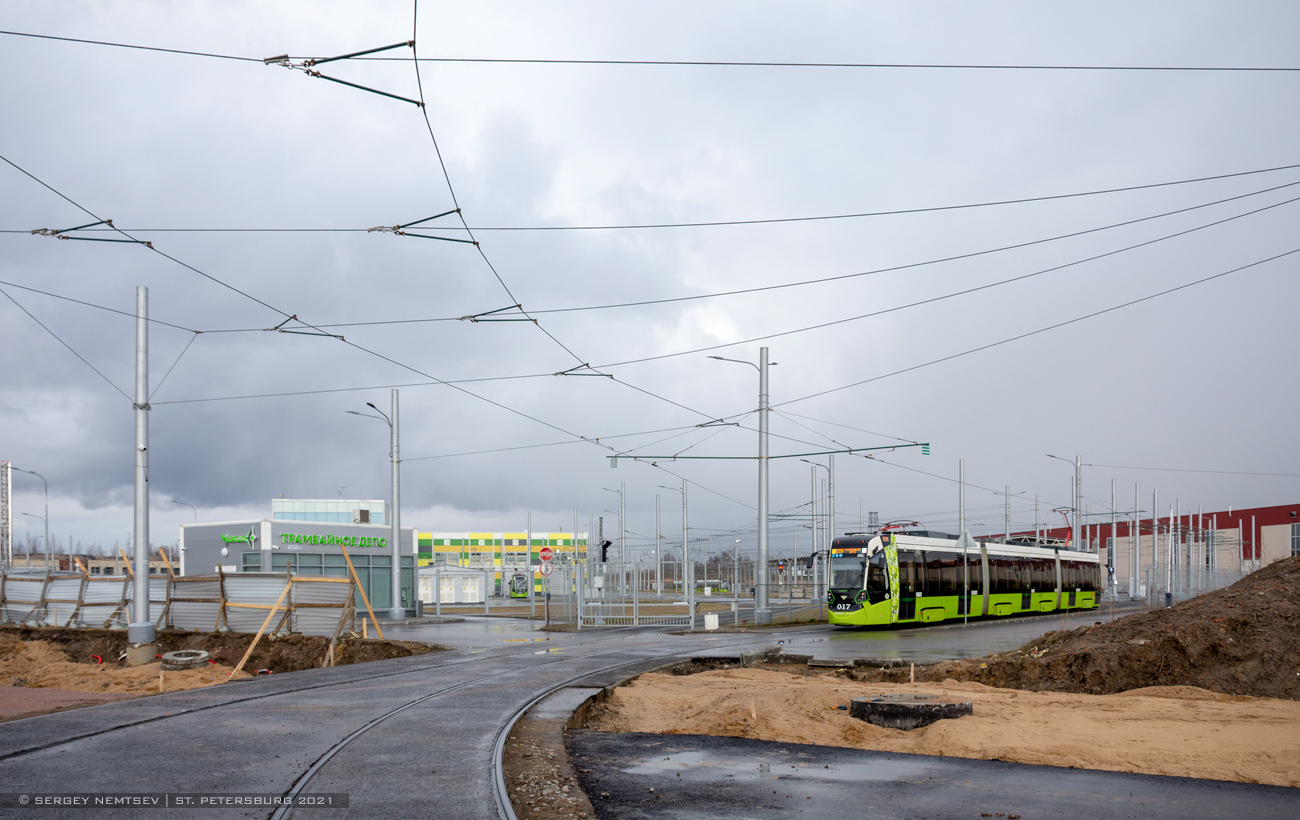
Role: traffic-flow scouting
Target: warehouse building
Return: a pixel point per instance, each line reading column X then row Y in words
column 1229, row 541
column 504, row 553
column 305, row 547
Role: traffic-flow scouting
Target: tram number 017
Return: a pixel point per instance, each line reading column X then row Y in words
column 844, row 606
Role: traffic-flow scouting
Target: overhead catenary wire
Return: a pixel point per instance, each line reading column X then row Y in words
column 70, row 348
column 1046, row 329
column 953, row 294
column 822, row 279
column 693, row 63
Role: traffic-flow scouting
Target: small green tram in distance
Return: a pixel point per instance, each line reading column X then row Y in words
column 519, row 585
column 920, row 577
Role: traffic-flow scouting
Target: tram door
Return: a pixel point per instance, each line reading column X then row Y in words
column 1026, row 584
column 910, row 573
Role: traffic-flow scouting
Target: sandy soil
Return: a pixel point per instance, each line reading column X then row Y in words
column 50, row 669
column 1170, row 730
column 37, row 677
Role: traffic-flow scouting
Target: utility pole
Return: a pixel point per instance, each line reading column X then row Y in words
column 659, row 558
column 622, row 538
column 830, row 497
column 762, row 614
column 1006, row 513
column 397, row 612
column 140, row 630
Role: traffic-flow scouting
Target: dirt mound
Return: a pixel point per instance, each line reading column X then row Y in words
column 287, row 654
column 1242, row 640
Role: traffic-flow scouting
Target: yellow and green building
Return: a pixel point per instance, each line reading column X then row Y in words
column 506, row 552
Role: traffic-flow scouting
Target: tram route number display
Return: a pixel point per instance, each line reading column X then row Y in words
column 546, row 554
column 547, row 569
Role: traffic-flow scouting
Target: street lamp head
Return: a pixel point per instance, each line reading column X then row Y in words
column 372, row 406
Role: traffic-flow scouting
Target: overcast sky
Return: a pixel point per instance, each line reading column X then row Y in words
column 255, row 184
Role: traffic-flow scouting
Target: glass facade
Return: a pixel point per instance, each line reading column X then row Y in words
column 328, row 510
column 374, row 571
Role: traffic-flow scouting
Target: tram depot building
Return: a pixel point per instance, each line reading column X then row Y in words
column 1229, row 540
column 310, row 542
column 463, row 561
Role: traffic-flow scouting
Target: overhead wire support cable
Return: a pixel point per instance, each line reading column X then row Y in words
column 925, row 450
column 62, row 233
column 280, row 328
column 400, row 230
column 305, row 66
column 490, row 316
column 570, row 372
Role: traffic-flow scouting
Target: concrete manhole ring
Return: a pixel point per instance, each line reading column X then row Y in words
column 907, row 711
column 184, row 659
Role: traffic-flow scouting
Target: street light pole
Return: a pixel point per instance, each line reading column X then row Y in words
column 140, row 630
column 762, row 613
column 46, row 519
column 396, row 611
column 688, row 567
column 191, row 506
column 1078, row 493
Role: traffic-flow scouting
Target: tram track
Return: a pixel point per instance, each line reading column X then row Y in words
column 418, row 689
column 187, row 712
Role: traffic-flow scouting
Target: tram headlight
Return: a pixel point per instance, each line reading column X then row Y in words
column 861, row 596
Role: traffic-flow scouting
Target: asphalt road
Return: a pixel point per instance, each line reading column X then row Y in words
column 412, row 737
column 722, row 778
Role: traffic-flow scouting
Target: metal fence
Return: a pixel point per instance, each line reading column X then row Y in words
column 240, row 602
column 1185, row 582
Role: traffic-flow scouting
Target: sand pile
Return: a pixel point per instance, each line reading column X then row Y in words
column 1167, row 730
column 42, row 664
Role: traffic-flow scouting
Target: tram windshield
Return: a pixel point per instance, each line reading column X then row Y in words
column 846, row 571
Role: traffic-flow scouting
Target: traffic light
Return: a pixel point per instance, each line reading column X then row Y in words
column 604, row 550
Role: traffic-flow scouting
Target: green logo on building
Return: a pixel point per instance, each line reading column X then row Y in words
column 250, row 538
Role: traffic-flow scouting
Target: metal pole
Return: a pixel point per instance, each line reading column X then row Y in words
column 396, row 612
column 1078, row 493
column 830, row 498
column 437, row 591
column 762, row 614
column 961, row 526
column 688, row 576
column 1135, row 542
column 622, row 539
column 1169, row 569
column 140, row 630
column 659, row 559
column 528, row 559
column 1006, row 513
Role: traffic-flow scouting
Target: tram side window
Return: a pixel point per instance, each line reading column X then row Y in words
column 941, row 569
column 976, row 572
column 1004, row 575
column 910, row 569
column 1043, row 574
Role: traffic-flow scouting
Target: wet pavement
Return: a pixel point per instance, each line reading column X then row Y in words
column 645, row 776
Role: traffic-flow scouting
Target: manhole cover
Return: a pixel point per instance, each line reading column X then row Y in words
column 907, row 711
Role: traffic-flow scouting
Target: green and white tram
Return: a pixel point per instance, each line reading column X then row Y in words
column 920, row 577
column 519, row 585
